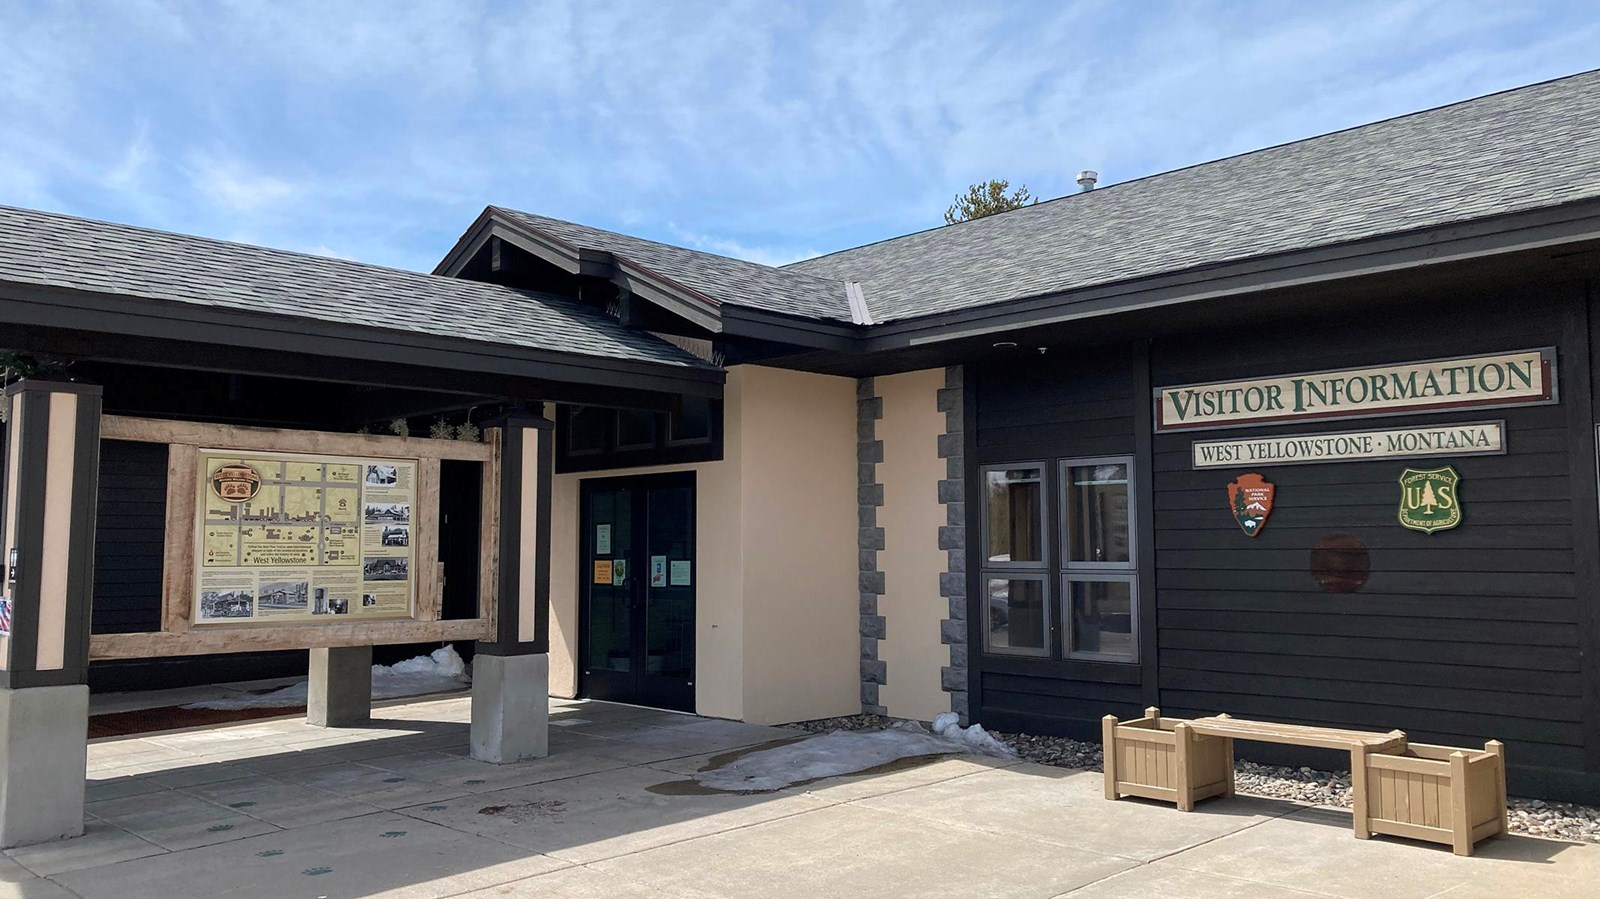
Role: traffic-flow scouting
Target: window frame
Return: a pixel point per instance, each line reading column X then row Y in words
column 1039, row 571
column 1080, row 576
column 567, row 431
column 1064, row 501
column 657, row 421
column 713, row 415
column 1042, row 578
column 1043, row 564
column 1070, row 572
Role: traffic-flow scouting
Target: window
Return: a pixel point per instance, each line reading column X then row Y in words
column 690, row 421
column 1014, row 520
column 1016, row 612
column 1016, row 616
column 586, row 431
column 636, row 429
column 1097, row 524
column 1103, row 617
column 1099, row 580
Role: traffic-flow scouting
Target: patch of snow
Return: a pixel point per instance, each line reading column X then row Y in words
column 442, row 670
column 846, row 752
column 975, row 738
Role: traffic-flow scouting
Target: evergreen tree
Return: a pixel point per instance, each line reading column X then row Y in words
column 1428, row 500
column 988, row 198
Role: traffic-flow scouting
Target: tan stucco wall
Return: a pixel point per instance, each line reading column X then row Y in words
column 911, row 559
column 775, row 617
column 802, row 607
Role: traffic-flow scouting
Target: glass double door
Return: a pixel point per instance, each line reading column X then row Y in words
column 639, row 573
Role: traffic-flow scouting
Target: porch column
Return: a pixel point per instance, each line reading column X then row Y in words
column 47, row 523
column 511, row 673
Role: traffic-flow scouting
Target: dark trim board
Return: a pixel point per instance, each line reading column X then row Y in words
column 329, row 350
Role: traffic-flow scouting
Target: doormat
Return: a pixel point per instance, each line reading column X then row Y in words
column 144, row 721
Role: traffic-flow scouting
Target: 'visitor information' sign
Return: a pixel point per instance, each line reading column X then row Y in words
column 1508, row 379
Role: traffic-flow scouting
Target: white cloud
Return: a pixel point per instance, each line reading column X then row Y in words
column 229, row 183
column 762, row 130
column 723, row 246
column 129, row 174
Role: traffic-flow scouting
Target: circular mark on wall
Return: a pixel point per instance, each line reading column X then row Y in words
column 1341, row 563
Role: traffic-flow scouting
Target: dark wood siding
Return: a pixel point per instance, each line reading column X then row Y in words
column 1046, row 408
column 1457, row 637
column 130, row 534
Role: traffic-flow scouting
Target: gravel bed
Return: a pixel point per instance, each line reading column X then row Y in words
column 1536, row 817
column 848, row 722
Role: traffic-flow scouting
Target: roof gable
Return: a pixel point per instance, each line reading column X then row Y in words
column 712, row 279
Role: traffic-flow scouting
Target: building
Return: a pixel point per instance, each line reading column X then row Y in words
column 1306, row 434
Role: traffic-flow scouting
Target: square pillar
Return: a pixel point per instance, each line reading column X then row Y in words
column 511, row 673
column 48, row 491
column 510, row 707
column 339, row 692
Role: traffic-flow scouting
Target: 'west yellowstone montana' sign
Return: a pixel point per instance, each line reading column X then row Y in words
column 1507, row 379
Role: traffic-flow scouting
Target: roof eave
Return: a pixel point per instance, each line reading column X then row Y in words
column 1473, row 239
column 92, row 312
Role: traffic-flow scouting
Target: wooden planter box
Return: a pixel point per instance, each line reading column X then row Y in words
column 1163, row 758
column 1438, row 793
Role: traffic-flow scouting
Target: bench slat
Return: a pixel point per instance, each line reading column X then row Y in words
column 1298, row 734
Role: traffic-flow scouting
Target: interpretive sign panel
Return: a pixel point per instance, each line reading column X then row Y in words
column 286, row 537
column 1478, row 438
column 1522, row 378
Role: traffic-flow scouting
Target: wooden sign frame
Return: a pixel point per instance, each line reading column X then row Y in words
column 184, row 441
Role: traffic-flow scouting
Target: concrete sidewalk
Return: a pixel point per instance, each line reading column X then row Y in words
column 281, row 809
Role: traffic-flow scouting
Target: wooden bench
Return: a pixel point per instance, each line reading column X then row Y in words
column 1437, row 793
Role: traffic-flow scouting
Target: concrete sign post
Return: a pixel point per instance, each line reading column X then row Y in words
column 47, row 524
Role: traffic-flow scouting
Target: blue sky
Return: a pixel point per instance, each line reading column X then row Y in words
column 765, row 130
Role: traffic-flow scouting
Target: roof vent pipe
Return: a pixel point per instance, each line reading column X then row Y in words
column 1086, row 180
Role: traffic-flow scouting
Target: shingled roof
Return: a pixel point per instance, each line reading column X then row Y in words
column 718, row 279
column 1515, row 151
column 51, row 250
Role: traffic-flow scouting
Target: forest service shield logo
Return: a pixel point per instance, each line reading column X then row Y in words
column 1250, row 500
column 1429, row 499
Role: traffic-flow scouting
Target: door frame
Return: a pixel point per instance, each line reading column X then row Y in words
column 641, row 484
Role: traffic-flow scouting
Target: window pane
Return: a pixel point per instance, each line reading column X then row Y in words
column 1014, row 502
column 1097, row 513
column 691, row 419
column 1102, row 618
column 1016, row 616
column 586, row 430
column 636, row 429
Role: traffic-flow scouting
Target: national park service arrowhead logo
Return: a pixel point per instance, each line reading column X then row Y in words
column 236, row 482
column 1250, row 499
column 1429, row 499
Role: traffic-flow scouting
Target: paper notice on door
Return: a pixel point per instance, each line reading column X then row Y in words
column 681, row 573
column 658, row 571
column 602, row 539
column 619, row 572
column 602, row 571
